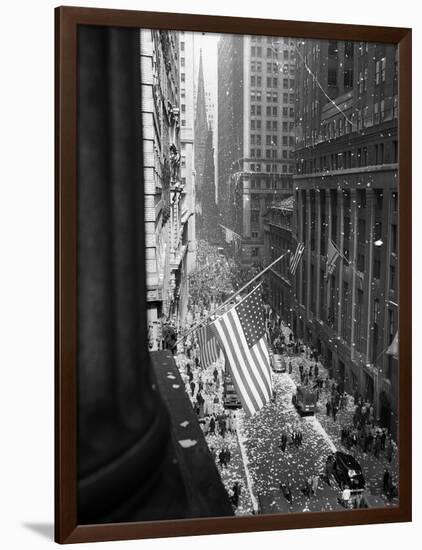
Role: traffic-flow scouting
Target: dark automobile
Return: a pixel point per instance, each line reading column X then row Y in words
column 278, row 364
column 230, row 398
column 346, row 470
column 305, row 400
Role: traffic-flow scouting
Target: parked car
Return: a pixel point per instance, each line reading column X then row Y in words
column 305, row 400
column 230, row 398
column 278, row 363
column 346, row 471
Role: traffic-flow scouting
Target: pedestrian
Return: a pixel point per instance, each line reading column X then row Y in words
column 316, row 370
column 334, row 412
column 192, row 387
column 328, row 407
column 315, row 480
column 236, row 490
column 300, row 438
column 287, row 492
column 222, row 458
column 306, row 489
column 212, row 425
column 222, row 426
column 377, row 446
column 386, row 480
column 383, row 439
column 389, row 449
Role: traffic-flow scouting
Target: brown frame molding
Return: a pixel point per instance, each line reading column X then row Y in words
column 66, row 21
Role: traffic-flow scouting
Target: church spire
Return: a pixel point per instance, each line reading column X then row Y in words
column 201, row 113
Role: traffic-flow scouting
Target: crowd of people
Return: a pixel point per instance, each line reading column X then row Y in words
column 205, row 389
column 362, row 435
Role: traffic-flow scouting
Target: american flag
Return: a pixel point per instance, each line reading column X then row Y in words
column 332, row 256
column 208, row 346
column 241, row 332
column 393, row 348
column 294, row 262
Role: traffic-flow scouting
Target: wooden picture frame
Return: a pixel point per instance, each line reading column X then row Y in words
column 67, row 529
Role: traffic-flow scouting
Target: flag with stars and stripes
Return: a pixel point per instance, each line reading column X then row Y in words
column 241, row 333
column 295, row 259
column 208, row 347
column 333, row 254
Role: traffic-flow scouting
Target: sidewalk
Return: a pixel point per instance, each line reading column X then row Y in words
column 234, row 471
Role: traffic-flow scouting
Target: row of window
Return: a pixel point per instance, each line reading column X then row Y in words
column 269, row 168
column 270, row 183
column 362, row 118
column 272, row 52
column 272, row 40
column 256, row 139
column 286, row 141
column 273, row 68
column 362, row 156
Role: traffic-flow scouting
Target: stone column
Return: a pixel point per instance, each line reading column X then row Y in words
column 353, row 264
column 320, row 196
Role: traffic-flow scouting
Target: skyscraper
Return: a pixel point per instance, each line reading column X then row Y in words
column 187, row 48
column 255, row 133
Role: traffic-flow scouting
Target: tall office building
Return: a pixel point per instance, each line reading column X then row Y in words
column 346, row 197
column 165, row 219
column 256, row 82
column 187, row 48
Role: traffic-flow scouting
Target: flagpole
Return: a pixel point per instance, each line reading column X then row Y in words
column 230, row 299
column 340, row 254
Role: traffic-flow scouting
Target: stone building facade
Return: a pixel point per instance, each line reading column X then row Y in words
column 277, row 241
column 165, row 223
column 346, row 192
column 256, row 83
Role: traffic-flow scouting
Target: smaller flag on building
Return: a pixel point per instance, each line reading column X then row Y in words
column 295, row 259
column 393, row 348
column 332, row 256
column 208, row 346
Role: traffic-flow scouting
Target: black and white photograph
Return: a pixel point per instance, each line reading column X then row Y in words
column 266, row 218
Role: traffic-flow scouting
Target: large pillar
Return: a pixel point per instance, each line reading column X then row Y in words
column 368, row 276
column 353, row 266
column 320, row 195
column 123, row 426
column 340, row 243
column 329, row 236
column 307, row 255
